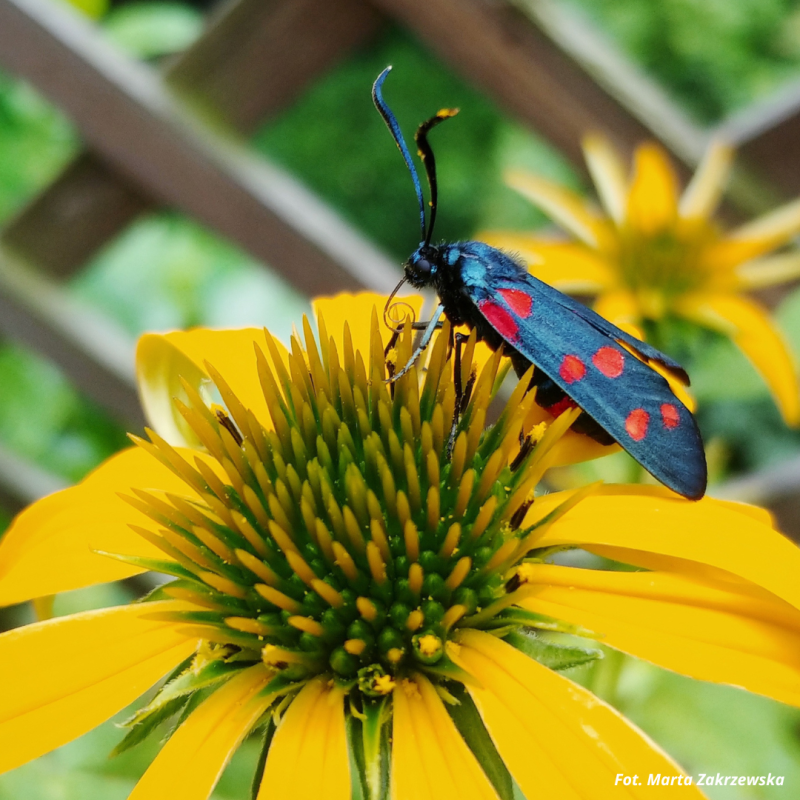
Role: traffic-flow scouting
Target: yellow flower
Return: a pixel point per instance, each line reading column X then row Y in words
column 654, row 253
column 350, row 570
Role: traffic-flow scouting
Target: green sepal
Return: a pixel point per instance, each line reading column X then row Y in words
column 375, row 740
column 449, row 671
column 470, row 725
column 193, row 701
column 184, row 684
column 355, row 750
column 369, row 749
column 226, row 603
column 551, row 655
column 202, row 617
column 269, row 732
column 154, row 595
column 152, row 565
column 142, row 729
column 520, row 617
column 281, row 684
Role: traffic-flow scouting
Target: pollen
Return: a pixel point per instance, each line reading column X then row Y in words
column 384, row 684
column 524, row 573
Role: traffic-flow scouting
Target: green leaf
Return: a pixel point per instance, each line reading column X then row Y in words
column 554, row 656
column 355, row 749
column 446, row 669
column 143, row 728
column 530, row 619
column 468, row 720
column 152, row 564
column 92, row 8
column 186, row 683
column 149, row 30
column 262, row 759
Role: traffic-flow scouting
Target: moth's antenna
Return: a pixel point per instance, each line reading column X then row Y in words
column 394, row 129
column 429, row 162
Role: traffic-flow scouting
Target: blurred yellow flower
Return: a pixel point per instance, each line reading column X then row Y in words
column 653, row 252
column 348, row 573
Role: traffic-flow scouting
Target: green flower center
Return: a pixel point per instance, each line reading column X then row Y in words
column 664, row 264
column 370, row 522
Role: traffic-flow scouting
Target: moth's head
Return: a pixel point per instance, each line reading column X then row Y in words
column 421, row 267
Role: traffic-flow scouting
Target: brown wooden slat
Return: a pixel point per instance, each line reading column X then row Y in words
column 768, row 137
column 261, row 54
column 497, row 46
column 85, row 207
column 94, row 354
column 131, row 121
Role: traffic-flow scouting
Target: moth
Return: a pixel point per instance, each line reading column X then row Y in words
column 580, row 358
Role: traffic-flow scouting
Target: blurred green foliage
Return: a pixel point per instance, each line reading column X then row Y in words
column 35, row 143
column 166, row 271
column 153, row 29
column 714, row 55
column 334, row 140
column 43, row 418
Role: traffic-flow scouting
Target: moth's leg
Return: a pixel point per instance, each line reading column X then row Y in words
column 390, row 365
column 433, row 324
column 423, row 326
column 462, row 393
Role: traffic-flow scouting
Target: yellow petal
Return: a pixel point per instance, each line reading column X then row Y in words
column 430, row 760
column 162, row 359
column 557, row 739
column 62, row 677
column 190, row 764
column 571, row 448
column 713, row 633
column 563, row 206
column 48, row 548
column 575, row 448
column 722, row 256
column 651, row 520
column 618, row 306
column 768, row 271
column 356, row 310
column 308, row 758
column 570, row 268
column 702, row 195
column 608, row 173
column 772, row 229
column 750, row 327
column 653, row 196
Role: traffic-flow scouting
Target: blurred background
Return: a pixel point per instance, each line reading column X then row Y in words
column 169, row 164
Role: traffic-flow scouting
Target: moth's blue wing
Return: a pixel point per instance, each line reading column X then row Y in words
column 611, row 330
column 579, row 351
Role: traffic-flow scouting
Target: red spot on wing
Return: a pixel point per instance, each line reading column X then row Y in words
column 636, row 424
column 500, row 319
column 572, row 369
column 609, row 361
column 557, row 409
column 520, row 302
column 670, row 415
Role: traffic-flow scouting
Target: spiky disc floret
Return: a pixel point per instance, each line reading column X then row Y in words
column 354, row 536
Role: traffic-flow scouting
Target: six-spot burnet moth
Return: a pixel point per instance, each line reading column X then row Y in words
column 580, row 358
